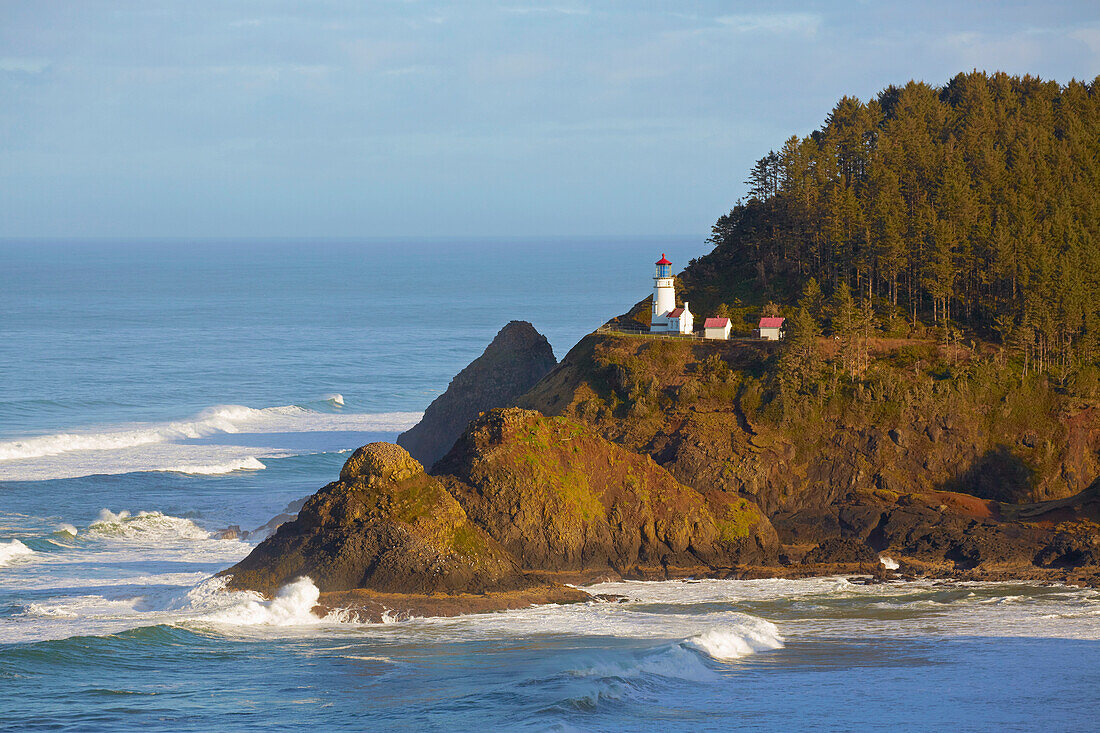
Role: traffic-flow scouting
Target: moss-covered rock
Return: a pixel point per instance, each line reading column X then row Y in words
column 386, row 526
column 712, row 413
column 560, row 497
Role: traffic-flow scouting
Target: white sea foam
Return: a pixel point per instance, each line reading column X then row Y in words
column 83, row 607
column 248, row 463
column 218, row 440
column 11, row 552
column 725, row 644
column 145, row 526
column 225, row 418
column 335, row 399
column 67, row 529
column 888, row 562
column 220, row 419
column 292, row 606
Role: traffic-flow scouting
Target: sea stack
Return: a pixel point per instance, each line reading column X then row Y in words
column 516, row 359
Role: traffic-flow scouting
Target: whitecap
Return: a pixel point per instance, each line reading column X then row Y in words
column 729, row 643
column 888, row 562
column 67, row 529
column 248, row 463
column 219, row 419
column 292, row 606
column 144, row 526
column 10, row 552
column 218, row 440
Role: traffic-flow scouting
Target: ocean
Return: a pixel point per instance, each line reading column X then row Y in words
column 153, row 393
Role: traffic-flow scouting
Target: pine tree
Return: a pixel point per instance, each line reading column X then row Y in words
column 800, row 363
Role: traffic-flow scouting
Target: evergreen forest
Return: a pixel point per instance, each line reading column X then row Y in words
column 971, row 211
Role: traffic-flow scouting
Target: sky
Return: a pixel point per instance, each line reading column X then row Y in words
column 374, row 118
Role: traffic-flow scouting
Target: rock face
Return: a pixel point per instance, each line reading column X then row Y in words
column 517, row 358
column 386, row 526
column 932, row 527
column 841, row 550
column 561, row 498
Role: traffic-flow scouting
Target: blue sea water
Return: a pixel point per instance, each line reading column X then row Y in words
column 152, row 393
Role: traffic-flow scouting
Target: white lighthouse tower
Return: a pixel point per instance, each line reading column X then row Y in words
column 664, row 295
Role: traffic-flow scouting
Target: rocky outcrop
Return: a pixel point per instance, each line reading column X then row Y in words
column 385, row 526
column 561, row 498
column 516, row 359
column 941, row 527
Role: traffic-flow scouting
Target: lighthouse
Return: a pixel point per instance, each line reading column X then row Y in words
column 666, row 317
column 664, row 295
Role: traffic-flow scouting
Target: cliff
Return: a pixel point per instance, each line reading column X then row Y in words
column 516, row 359
column 714, row 414
column 672, row 458
column 939, row 456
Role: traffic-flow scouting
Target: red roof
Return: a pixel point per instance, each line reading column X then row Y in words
column 772, row 322
column 663, row 261
column 676, row 313
column 716, row 323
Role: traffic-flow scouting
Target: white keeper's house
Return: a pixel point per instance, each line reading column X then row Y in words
column 717, row 328
column 666, row 317
column 771, row 329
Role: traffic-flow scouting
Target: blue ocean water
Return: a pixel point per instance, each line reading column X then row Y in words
column 154, row 392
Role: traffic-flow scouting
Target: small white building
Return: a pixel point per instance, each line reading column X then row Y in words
column 717, row 328
column 771, row 329
column 680, row 320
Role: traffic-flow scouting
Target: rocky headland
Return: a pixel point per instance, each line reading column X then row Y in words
column 660, row 459
column 936, row 397
column 966, row 474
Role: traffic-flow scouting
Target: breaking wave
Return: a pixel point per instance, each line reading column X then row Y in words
column 727, row 644
column 145, row 526
column 248, row 463
column 67, row 529
column 12, row 551
column 292, row 605
column 219, row 419
column 218, row 440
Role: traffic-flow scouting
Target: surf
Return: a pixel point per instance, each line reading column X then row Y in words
column 218, row 440
column 13, row 551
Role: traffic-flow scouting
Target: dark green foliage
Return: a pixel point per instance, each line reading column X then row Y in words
column 800, row 364
column 976, row 204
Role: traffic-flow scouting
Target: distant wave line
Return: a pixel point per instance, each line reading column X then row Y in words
column 218, row 419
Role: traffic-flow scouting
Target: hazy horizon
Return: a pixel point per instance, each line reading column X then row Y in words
column 422, row 120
